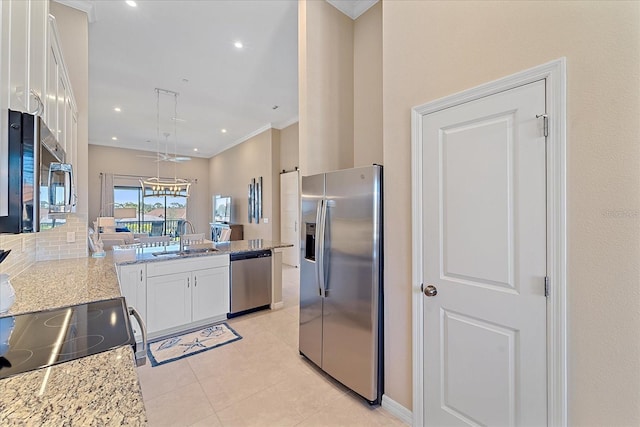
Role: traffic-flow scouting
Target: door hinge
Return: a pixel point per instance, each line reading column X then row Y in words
column 546, row 286
column 545, row 123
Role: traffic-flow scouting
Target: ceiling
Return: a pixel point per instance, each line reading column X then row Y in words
column 188, row 47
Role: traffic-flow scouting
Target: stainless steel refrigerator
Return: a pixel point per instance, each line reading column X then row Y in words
column 341, row 277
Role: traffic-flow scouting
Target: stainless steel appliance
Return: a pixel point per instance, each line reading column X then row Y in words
column 36, row 340
column 341, row 277
column 250, row 281
column 40, row 184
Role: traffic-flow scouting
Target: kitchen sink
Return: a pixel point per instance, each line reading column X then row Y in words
column 166, row 253
column 198, row 250
column 187, row 251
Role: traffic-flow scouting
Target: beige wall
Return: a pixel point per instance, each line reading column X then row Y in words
column 231, row 172
column 289, row 138
column 433, row 49
column 121, row 161
column 367, row 87
column 325, row 55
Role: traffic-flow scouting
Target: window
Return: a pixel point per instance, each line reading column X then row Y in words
column 155, row 216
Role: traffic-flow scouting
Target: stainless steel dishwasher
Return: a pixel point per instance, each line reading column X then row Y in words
column 250, row 282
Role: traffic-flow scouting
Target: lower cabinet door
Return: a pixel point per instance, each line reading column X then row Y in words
column 210, row 293
column 168, row 301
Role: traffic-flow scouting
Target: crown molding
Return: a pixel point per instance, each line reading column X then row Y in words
column 352, row 8
column 285, row 123
column 85, row 6
column 279, row 126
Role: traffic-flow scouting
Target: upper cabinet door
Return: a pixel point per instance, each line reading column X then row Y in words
column 38, row 32
column 5, row 21
column 51, row 110
column 60, row 103
column 19, row 55
column 27, row 37
column 61, row 134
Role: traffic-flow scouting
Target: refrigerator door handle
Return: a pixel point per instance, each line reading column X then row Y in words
column 323, row 222
column 319, row 248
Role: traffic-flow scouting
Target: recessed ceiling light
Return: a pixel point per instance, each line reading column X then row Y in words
column 115, row 138
column 238, row 45
column 178, row 119
column 195, row 149
column 223, row 131
column 117, row 109
column 131, row 3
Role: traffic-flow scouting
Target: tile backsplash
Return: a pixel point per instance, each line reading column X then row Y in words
column 52, row 244
column 23, row 252
column 46, row 245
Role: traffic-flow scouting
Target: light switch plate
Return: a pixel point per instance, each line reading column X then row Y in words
column 266, row 220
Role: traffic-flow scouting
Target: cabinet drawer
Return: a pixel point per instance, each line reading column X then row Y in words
column 186, row 265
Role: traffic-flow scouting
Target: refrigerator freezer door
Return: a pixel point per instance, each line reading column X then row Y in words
column 310, row 342
column 352, row 261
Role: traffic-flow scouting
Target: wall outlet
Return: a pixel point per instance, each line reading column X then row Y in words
column 266, row 220
column 71, row 236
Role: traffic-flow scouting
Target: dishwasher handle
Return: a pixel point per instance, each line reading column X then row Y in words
column 250, row 255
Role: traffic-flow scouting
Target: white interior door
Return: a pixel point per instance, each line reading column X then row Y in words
column 289, row 216
column 484, row 222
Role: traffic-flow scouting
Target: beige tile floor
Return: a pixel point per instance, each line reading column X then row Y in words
column 260, row 380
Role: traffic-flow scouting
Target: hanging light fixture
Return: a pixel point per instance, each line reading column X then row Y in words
column 157, row 186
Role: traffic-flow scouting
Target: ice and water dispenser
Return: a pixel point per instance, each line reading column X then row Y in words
column 310, row 241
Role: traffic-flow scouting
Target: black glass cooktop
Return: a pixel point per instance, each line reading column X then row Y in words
column 36, row 340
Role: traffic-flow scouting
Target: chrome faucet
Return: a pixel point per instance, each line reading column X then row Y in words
column 183, row 231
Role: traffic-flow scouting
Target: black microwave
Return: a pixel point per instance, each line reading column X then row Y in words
column 39, row 181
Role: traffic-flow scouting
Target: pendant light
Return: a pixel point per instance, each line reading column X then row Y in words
column 157, row 186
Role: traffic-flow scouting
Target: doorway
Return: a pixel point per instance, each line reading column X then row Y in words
column 290, row 216
column 489, row 283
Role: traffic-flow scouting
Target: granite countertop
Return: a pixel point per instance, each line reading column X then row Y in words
column 51, row 284
column 96, row 390
column 101, row 389
column 145, row 254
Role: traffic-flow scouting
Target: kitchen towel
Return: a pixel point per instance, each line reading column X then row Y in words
column 180, row 346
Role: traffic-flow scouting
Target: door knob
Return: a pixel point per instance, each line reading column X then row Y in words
column 430, row 291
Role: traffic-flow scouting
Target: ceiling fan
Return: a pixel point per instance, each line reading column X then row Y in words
column 160, row 157
column 166, row 157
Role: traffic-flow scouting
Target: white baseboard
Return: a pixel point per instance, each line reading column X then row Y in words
column 277, row 305
column 397, row 410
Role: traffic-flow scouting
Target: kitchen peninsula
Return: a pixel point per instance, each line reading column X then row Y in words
column 176, row 288
column 101, row 389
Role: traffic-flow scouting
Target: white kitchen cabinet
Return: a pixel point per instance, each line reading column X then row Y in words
column 133, row 286
column 5, row 26
column 27, row 36
column 51, row 102
column 210, row 293
column 169, row 301
column 38, row 34
column 19, row 54
column 188, row 292
column 60, row 105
